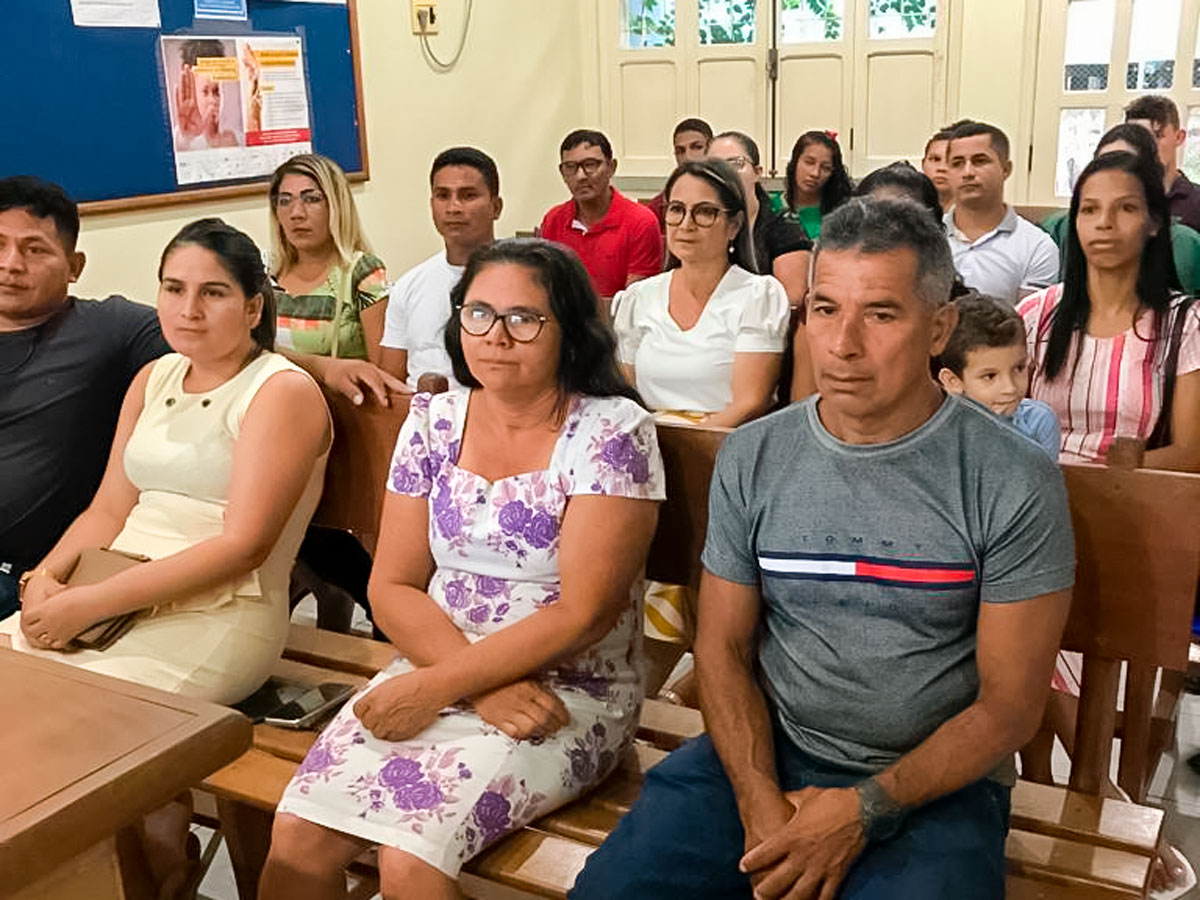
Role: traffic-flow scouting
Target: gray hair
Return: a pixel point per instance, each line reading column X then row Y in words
column 871, row 225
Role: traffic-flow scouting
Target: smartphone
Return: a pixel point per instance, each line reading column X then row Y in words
column 309, row 707
column 292, row 705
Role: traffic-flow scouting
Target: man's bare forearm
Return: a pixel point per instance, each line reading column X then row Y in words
column 736, row 715
column 964, row 749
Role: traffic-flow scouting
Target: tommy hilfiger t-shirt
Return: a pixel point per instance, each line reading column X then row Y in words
column 872, row 562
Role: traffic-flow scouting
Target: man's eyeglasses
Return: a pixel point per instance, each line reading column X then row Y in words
column 523, row 326
column 738, row 162
column 703, row 214
column 308, row 198
column 590, row 167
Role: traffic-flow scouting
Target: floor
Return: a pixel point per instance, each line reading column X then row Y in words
column 1175, row 787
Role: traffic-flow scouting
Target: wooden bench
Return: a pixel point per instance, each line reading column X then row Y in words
column 1138, row 561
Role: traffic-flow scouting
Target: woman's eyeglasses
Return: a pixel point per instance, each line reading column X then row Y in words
column 703, row 214
column 523, row 326
column 738, row 162
column 308, row 198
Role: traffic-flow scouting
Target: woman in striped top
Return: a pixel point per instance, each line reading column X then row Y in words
column 1102, row 341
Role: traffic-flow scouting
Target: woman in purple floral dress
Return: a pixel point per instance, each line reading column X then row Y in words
column 519, row 514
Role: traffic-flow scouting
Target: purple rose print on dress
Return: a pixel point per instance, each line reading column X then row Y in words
column 456, row 595
column 318, row 760
column 541, row 530
column 513, row 517
column 618, row 451
column 491, row 813
column 441, row 424
column 441, row 495
column 449, row 523
column 400, row 772
column 583, row 767
column 621, row 453
column 404, row 479
column 486, row 586
column 479, row 614
column 452, row 451
column 639, row 469
column 422, row 795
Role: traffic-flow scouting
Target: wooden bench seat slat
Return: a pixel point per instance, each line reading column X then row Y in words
column 1116, row 824
column 340, row 652
column 539, row 863
column 257, row 778
column 1040, row 856
column 286, row 743
column 1048, row 886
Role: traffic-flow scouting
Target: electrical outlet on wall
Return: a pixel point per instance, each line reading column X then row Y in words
column 424, row 16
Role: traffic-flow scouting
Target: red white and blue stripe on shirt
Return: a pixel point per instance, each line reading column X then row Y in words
column 930, row 576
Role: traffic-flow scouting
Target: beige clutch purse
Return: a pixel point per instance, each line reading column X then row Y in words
column 94, row 565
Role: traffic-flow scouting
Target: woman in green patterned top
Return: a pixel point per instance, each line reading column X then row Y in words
column 332, row 295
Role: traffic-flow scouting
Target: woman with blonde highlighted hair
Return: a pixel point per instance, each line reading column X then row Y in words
column 332, row 289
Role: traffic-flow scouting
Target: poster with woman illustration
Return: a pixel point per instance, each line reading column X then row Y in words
column 238, row 107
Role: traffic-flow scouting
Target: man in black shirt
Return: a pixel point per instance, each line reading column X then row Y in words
column 1160, row 115
column 64, row 367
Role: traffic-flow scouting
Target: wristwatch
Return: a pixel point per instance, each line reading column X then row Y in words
column 880, row 815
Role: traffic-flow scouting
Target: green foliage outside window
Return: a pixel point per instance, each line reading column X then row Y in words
column 649, row 23
column 913, row 14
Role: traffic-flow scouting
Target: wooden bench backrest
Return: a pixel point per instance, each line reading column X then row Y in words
column 364, row 438
column 1137, row 548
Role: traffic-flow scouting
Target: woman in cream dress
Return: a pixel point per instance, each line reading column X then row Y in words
column 200, row 482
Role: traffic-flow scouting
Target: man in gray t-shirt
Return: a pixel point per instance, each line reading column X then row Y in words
column 888, row 572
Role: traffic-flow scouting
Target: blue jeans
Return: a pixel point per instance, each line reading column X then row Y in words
column 9, row 603
column 683, row 838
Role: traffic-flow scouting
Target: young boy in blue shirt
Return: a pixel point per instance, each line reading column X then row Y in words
column 986, row 360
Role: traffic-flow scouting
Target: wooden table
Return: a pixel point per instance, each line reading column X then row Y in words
column 82, row 756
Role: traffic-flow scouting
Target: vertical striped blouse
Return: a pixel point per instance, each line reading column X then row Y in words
column 1117, row 386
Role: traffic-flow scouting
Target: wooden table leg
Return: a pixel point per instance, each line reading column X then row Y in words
column 95, row 874
column 247, row 831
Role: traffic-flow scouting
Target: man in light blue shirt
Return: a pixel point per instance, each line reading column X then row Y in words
column 995, row 251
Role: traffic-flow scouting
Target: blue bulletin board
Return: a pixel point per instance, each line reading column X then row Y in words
column 86, row 107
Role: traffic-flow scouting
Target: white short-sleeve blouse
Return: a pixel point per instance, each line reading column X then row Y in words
column 692, row 369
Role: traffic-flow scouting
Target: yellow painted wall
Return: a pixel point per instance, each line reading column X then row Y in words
column 516, row 91
column 992, row 72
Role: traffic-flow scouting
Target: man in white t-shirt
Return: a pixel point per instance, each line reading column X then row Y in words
column 465, row 201
column 995, row 251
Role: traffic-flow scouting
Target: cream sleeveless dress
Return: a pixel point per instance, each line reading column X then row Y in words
column 220, row 645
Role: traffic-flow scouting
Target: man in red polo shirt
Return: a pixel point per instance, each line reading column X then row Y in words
column 617, row 238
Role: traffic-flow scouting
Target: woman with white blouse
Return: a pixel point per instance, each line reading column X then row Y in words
column 706, row 336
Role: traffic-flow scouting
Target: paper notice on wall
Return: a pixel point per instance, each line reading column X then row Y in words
column 238, row 107
column 116, row 13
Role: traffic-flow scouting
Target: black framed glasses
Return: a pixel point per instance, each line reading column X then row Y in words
column 522, row 325
column 308, row 198
column 589, row 166
column 703, row 214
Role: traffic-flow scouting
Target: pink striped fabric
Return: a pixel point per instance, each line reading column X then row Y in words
column 1117, row 387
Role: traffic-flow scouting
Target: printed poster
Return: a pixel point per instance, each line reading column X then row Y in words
column 238, row 107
